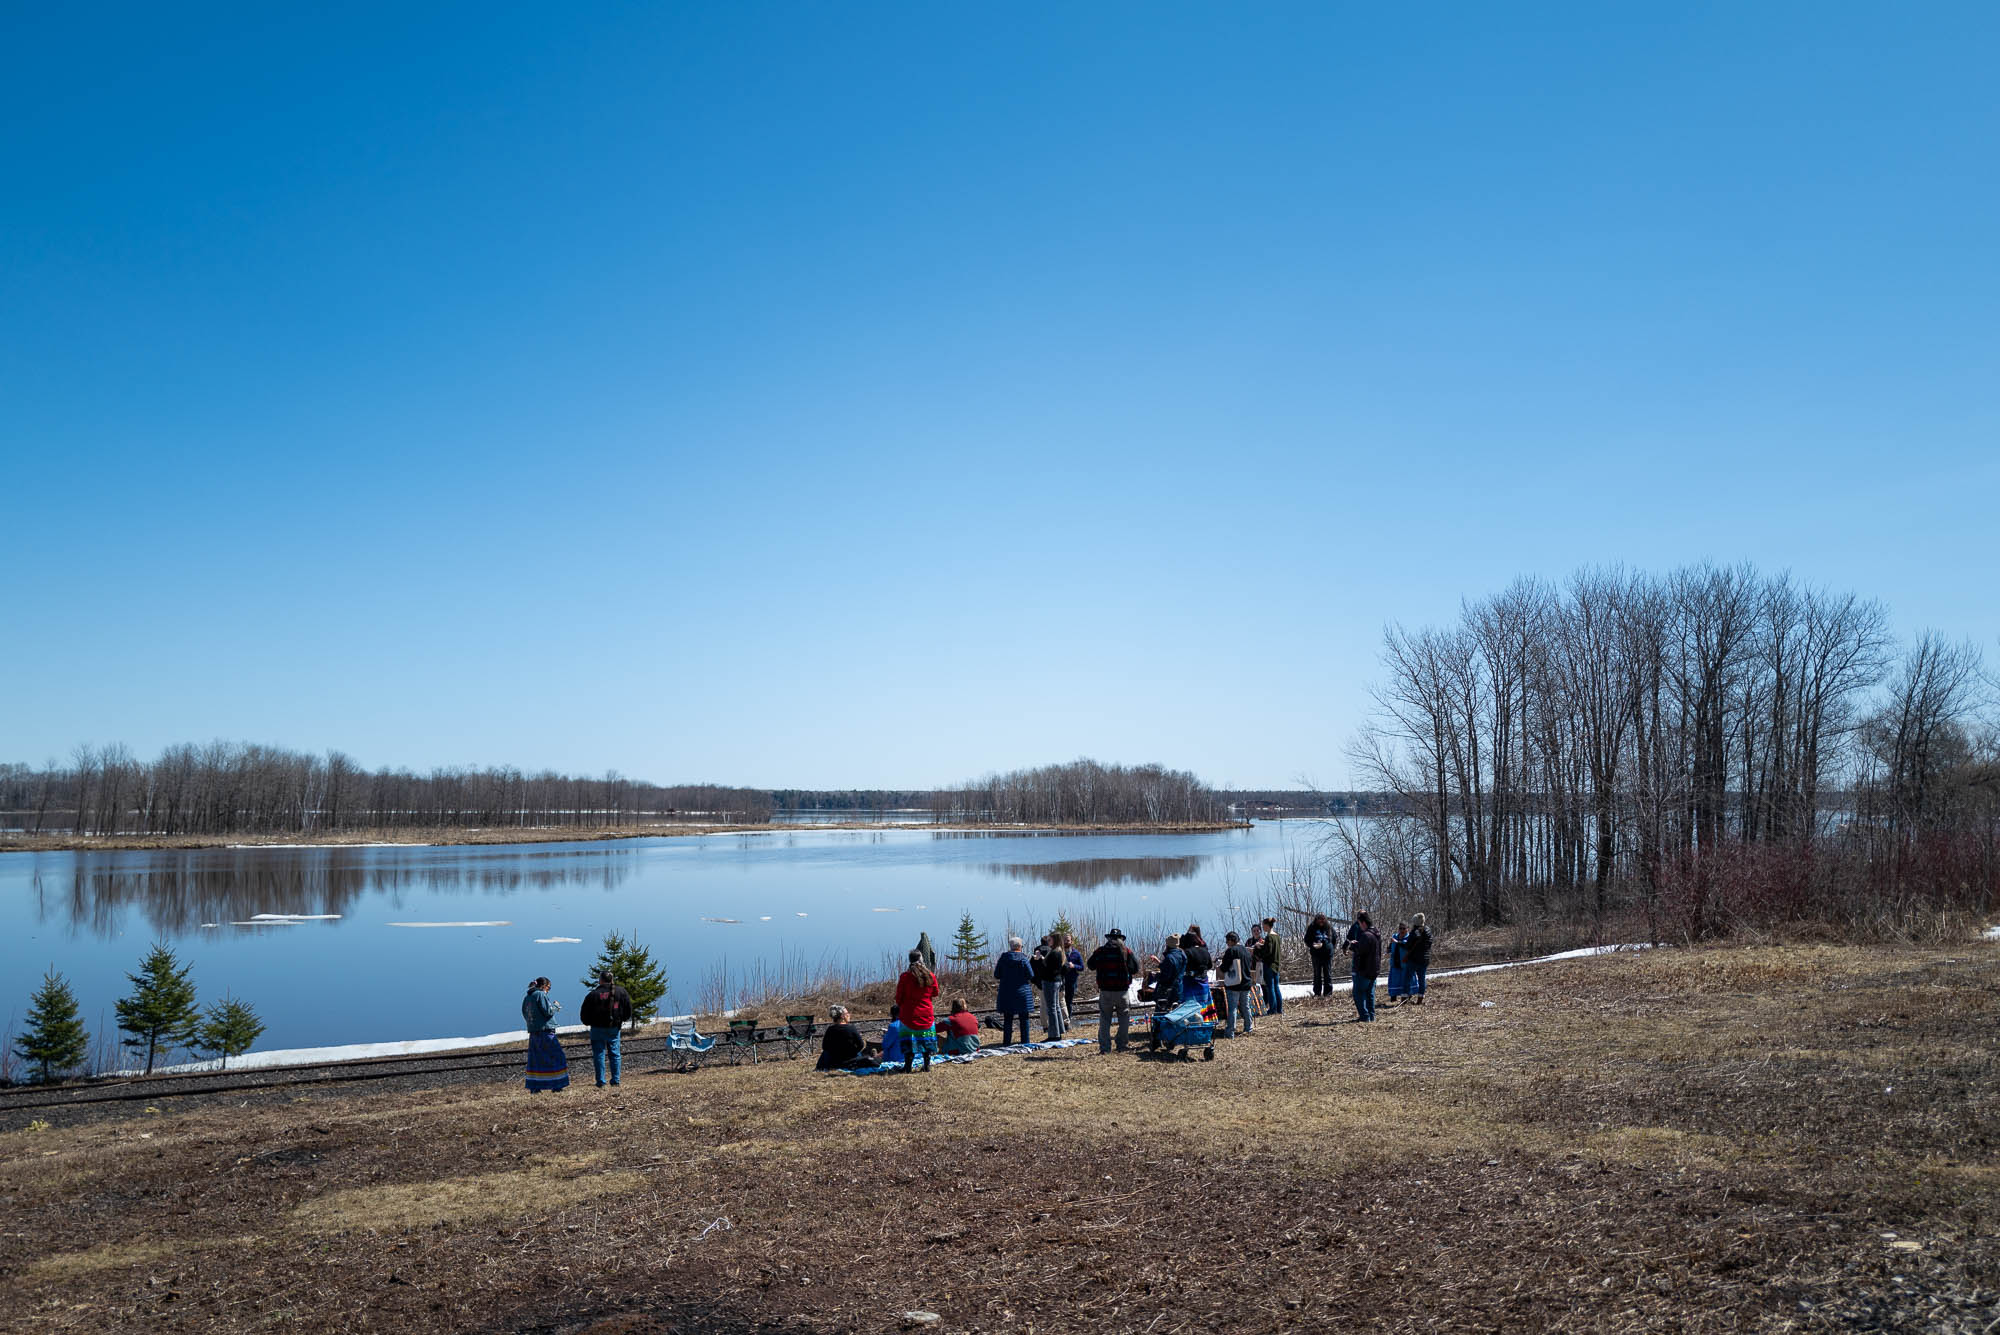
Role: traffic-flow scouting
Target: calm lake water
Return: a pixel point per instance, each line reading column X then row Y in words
column 790, row 899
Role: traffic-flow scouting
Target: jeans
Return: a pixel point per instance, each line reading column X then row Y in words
column 604, row 1043
column 1069, row 991
column 1274, row 1000
column 1007, row 1019
column 1417, row 972
column 1053, row 1021
column 1109, row 1004
column 1364, row 995
column 1238, row 1003
column 1323, row 972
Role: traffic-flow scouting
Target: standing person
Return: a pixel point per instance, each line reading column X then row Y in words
column 1420, row 958
column 1115, row 966
column 1194, row 973
column 1399, row 964
column 927, row 950
column 1236, row 971
column 1072, row 971
column 1016, row 1000
column 1364, row 947
column 1167, row 986
column 1272, row 959
column 1319, row 945
column 1049, row 963
column 606, row 1008
column 548, row 1068
column 916, row 1001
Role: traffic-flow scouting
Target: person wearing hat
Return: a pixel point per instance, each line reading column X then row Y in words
column 605, row 1009
column 1115, row 967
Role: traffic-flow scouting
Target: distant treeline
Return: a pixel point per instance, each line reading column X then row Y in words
column 1675, row 741
column 242, row 788
column 850, row 799
column 1083, row 792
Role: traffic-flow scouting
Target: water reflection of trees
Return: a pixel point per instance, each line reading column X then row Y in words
column 1090, row 873
column 178, row 893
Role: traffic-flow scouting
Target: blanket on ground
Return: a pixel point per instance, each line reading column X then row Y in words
column 1012, row 1049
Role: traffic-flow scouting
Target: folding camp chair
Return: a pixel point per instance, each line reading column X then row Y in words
column 742, row 1039
column 685, row 1047
column 798, row 1034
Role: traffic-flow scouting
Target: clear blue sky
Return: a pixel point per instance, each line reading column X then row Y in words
column 880, row 395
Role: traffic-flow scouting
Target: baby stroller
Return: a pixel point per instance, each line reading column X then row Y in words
column 1184, row 1027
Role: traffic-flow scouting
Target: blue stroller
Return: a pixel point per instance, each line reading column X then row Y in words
column 1184, row 1027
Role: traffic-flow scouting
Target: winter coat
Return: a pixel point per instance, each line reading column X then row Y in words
column 839, row 1045
column 1016, row 979
column 1048, row 966
column 1366, row 943
column 605, row 1007
column 538, row 1011
column 1115, row 966
column 1420, row 947
column 1319, row 938
column 914, row 1001
column 1271, row 953
column 1236, row 961
column 1173, row 968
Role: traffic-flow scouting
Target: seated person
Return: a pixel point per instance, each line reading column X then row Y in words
column 892, row 1040
column 959, row 1030
column 840, row 1047
column 1149, row 982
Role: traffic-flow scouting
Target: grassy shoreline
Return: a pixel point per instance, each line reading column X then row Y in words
column 1769, row 1138
column 539, row 834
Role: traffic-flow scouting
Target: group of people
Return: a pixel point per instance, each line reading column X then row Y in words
column 1185, row 970
column 606, row 1008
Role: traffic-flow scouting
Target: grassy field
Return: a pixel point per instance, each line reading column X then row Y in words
column 1773, row 1139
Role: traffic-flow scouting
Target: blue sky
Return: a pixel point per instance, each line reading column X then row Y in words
column 882, row 395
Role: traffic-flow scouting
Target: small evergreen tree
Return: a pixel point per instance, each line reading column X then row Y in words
column 161, row 1010
column 1062, row 926
column 55, row 1039
column 231, row 1027
column 633, row 969
column 969, row 947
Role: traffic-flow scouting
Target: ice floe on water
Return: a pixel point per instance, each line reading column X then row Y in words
column 374, row 845
column 498, row 922
column 294, row 917
column 885, row 910
column 735, row 920
column 765, row 918
column 558, row 940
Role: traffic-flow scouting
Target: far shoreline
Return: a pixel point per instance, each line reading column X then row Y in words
column 70, row 842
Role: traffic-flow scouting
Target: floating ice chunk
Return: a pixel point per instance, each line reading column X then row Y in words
column 799, row 915
column 211, row 924
column 263, row 922
column 722, row 920
column 765, row 918
column 558, row 940
column 885, row 910
column 294, row 917
column 923, row 906
column 498, row 922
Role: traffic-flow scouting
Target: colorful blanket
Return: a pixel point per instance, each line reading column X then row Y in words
column 1013, row 1049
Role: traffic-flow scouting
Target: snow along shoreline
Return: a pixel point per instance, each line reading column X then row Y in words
column 413, row 1047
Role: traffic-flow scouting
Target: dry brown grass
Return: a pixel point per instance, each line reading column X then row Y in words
column 1707, row 1142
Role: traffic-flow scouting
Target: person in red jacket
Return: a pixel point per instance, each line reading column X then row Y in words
column 916, row 997
column 958, row 1032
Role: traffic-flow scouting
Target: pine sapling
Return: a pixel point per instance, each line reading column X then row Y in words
column 231, row 1027
column 55, row 1039
column 161, row 1012
column 969, row 946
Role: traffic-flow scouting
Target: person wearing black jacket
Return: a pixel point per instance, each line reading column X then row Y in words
column 605, row 1009
column 1319, row 945
column 841, row 1047
column 1115, row 967
column 1364, row 946
column 1236, row 969
column 1420, row 958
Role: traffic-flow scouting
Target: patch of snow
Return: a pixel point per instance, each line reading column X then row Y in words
column 1305, row 989
column 500, row 922
column 374, row 845
column 1993, row 932
column 558, row 940
column 409, row 1047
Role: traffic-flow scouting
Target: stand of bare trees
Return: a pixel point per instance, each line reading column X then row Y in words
column 1083, row 792
column 240, row 788
column 1719, row 747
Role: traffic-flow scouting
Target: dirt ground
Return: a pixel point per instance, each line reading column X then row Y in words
column 1775, row 1139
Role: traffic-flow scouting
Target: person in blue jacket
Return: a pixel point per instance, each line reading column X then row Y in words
column 1015, row 977
column 1167, row 988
